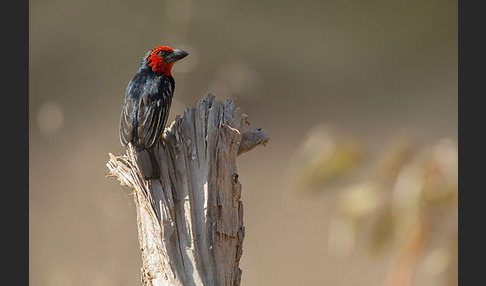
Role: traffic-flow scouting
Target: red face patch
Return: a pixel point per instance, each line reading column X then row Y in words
column 156, row 61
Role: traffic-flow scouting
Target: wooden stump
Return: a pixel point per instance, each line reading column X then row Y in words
column 190, row 220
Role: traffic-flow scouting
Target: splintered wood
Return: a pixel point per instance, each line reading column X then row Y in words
column 190, row 220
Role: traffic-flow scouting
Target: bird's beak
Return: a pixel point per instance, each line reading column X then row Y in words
column 175, row 55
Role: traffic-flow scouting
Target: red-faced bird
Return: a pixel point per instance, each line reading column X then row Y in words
column 146, row 107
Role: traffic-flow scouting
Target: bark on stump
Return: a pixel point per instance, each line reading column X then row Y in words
column 190, row 220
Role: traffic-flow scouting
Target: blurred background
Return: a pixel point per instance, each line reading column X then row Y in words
column 358, row 184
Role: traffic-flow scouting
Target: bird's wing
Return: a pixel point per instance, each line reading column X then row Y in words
column 151, row 118
column 126, row 125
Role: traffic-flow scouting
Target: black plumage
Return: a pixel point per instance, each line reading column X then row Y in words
column 148, row 98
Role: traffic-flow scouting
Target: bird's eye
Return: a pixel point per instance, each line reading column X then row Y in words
column 162, row 53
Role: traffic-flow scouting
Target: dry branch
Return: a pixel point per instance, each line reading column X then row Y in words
column 190, row 220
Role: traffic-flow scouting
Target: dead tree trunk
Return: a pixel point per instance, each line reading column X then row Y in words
column 190, row 220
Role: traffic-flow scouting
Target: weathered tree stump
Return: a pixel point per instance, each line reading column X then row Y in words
column 190, row 220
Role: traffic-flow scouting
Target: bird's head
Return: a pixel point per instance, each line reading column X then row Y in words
column 161, row 59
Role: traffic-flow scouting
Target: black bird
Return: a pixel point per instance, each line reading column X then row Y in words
column 146, row 107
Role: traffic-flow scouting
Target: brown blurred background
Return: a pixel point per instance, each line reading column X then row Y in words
column 358, row 184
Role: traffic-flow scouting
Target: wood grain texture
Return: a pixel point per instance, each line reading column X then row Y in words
column 190, row 220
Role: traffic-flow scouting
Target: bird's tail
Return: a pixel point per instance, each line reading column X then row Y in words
column 147, row 163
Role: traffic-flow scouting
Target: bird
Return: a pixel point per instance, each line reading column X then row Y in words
column 148, row 98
